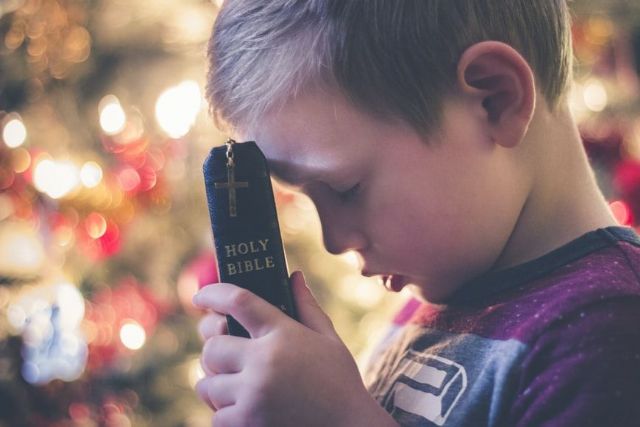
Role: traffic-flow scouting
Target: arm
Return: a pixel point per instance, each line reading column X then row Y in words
column 585, row 370
column 287, row 373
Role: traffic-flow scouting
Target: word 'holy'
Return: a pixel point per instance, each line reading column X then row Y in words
column 248, row 265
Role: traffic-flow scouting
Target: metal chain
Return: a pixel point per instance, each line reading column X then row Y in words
column 230, row 159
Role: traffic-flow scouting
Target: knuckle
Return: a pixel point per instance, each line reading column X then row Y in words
column 210, row 345
column 202, row 327
column 211, row 325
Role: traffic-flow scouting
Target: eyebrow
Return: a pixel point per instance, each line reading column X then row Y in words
column 289, row 174
column 286, row 174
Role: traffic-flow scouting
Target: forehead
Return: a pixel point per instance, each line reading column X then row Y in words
column 311, row 135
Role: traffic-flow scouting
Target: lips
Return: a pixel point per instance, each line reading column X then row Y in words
column 394, row 282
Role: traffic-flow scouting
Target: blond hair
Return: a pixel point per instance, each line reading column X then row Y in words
column 393, row 59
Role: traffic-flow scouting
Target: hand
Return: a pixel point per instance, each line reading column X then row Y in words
column 288, row 373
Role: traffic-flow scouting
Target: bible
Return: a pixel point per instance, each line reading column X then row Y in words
column 244, row 221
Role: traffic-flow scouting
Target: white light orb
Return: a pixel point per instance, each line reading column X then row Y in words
column 112, row 117
column 90, row 174
column 132, row 335
column 71, row 304
column 177, row 108
column 595, row 96
column 55, row 178
column 14, row 132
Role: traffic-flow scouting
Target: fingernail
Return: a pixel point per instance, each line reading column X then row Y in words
column 196, row 298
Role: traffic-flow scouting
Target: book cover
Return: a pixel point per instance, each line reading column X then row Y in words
column 245, row 225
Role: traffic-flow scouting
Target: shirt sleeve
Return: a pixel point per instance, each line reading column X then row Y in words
column 584, row 370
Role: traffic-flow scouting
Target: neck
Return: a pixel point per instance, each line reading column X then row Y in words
column 564, row 201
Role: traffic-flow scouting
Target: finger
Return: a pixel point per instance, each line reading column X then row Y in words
column 211, row 325
column 203, row 394
column 309, row 311
column 219, row 390
column 254, row 313
column 224, row 354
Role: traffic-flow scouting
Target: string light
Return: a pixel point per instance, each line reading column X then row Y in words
column 177, row 108
column 14, row 133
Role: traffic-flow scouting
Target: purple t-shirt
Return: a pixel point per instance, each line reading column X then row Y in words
column 551, row 342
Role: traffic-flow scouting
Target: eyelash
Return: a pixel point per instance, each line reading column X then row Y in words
column 345, row 196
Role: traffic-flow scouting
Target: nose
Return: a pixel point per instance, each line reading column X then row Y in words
column 338, row 243
column 341, row 229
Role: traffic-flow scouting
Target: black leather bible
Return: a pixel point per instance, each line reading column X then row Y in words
column 246, row 232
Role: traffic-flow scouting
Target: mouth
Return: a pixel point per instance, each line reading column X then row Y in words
column 394, row 282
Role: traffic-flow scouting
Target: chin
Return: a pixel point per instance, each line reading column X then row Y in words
column 428, row 294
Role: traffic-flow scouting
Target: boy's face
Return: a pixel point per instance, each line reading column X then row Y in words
column 433, row 215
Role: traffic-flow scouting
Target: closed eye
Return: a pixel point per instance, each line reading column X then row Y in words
column 345, row 196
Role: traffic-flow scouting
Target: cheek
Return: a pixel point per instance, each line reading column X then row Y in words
column 453, row 229
column 398, row 228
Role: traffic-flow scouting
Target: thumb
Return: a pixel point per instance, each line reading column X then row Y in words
column 310, row 313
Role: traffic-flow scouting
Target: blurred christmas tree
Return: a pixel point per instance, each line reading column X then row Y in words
column 104, row 233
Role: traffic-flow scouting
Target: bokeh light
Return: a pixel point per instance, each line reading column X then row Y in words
column 90, row 174
column 132, row 335
column 129, row 179
column 621, row 212
column 177, row 108
column 71, row 304
column 96, row 225
column 595, row 96
column 21, row 251
column 55, row 178
column 112, row 117
column 21, row 160
column 196, row 373
column 14, row 132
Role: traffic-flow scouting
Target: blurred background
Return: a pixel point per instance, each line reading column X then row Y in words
column 104, row 230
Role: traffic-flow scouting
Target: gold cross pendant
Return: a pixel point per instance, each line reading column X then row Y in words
column 231, row 183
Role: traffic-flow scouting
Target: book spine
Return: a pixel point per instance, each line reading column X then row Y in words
column 246, row 232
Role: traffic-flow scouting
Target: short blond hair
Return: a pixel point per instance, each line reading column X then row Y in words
column 393, row 59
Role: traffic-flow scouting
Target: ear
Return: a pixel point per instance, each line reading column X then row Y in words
column 500, row 80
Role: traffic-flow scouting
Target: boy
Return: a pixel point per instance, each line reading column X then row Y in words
column 435, row 139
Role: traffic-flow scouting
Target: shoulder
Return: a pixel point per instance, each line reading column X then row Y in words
column 577, row 293
column 584, row 368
